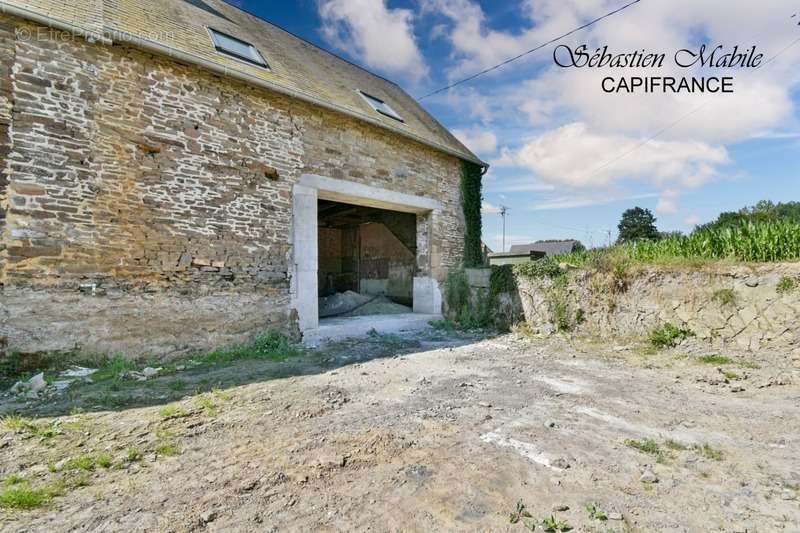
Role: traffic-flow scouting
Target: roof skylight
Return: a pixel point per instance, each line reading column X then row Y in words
column 237, row 48
column 380, row 106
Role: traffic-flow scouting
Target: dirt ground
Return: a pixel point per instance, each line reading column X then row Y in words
column 435, row 433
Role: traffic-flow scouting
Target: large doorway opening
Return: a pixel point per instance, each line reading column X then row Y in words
column 367, row 260
column 376, row 243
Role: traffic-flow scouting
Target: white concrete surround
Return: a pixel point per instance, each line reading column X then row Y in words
column 426, row 293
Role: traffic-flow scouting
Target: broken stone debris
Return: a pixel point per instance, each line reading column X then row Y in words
column 37, row 385
column 77, row 372
column 649, row 477
column 351, row 303
column 31, row 387
column 144, row 375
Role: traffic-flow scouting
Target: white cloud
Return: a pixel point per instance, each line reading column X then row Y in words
column 576, row 137
column 575, row 156
column 476, row 46
column 369, row 31
column 489, row 209
column 571, row 202
column 480, row 141
column 522, row 184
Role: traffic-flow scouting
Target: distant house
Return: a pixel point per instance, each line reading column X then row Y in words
column 550, row 248
column 513, row 258
column 522, row 253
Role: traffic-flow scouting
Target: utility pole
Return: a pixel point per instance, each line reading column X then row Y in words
column 503, row 212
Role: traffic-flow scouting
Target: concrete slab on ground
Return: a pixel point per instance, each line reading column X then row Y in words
column 338, row 328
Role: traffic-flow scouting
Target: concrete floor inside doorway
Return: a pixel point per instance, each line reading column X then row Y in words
column 338, row 328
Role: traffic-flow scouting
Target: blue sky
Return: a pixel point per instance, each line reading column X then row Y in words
column 567, row 158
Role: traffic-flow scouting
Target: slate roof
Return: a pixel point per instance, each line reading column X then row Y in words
column 549, row 248
column 296, row 67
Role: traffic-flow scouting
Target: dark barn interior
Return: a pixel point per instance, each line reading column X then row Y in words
column 367, row 259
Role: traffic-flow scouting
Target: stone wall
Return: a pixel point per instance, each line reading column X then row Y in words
column 148, row 193
column 738, row 306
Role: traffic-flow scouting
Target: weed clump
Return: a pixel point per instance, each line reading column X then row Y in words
column 787, row 285
column 715, row 359
column 645, row 445
column 270, row 346
column 724, row 297
column 16, row 493
column 669, row 336
column 463, row 311
column 28, row 428
column 708, row 451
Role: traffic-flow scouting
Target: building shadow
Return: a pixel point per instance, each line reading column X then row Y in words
column 171, row 385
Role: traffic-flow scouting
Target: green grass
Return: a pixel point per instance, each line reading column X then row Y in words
column 112, row 368
column 724, row 296
column 443, row 326
column 177, row 385
column 731, row 376
column 715, row 359
column 552, row 524
column 271, row 346
column 168, row 449
column 645, row 445
column 787, row 285
column 134, row 454
column 675, row 445
column 16, row 493
column 104, row 461
column 521, row 515
column 709, row 452
column 86, row 463
column 172, row 411
column 29, row 428
column 207, row 404
column 595, row 513
column 668, row 336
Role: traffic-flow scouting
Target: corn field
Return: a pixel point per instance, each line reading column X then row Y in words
column 763, row 242
column 760, row 242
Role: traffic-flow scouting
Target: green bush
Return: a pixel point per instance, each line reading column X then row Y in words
column 456, row 291
column 464, row 312
column 547, row 267
column 502, row 280
column 668, row 336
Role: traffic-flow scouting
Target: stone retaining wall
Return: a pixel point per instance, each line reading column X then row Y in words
column 737, row 306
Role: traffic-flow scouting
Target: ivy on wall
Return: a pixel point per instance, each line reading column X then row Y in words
column 471, row 205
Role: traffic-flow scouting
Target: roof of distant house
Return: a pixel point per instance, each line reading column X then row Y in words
column 183, row 29
column 548, row 247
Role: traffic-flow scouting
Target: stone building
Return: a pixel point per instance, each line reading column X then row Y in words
column 164, row 165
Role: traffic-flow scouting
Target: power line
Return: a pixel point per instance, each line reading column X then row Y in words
column 532, row 50
column 680, row 119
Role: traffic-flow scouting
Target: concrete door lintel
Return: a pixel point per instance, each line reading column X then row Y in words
column 306, row 193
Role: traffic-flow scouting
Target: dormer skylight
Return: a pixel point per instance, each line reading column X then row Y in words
column 380, row 106
column 237, row 48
